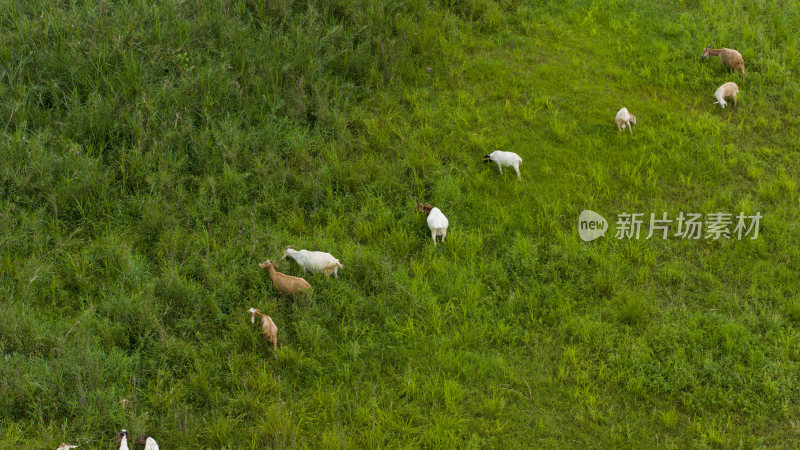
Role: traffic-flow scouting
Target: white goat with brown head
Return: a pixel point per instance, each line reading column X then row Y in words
column 437, row 222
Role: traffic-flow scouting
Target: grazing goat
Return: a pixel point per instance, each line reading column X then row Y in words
column 625, row 119
column 150, row 444
column 727, row 56
column 268, row 328
column 509, row 159
column 729, row 89
column 65, row 446
column 285, row 284
column 314, row 261
column 437, row 222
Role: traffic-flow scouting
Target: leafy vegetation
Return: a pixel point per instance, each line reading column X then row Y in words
column 152, row 153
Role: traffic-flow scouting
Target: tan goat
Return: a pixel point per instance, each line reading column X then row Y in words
column 728, row 56
column 729, row 89
column 625, row 119
column 285, row 284
column 268, row 328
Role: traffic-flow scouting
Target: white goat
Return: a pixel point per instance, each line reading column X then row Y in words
column 625, row 119
column 729, row 89
column 437, row 222
column 122, row 440
column 509, row 159
column 314, row 261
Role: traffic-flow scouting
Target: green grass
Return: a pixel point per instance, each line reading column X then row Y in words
column 152, row 153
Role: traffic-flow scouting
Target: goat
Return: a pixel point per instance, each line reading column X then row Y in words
column 437, row 222
column 729, row 89
column 122, row 440
column 727, row 56
column 268, row 328
column 625, row 119
column 314, row 261
column 65, row 446
column 510, row 159
column 285, row 284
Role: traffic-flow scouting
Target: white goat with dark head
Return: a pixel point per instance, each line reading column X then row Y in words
column 122, row 440
column 508, row 159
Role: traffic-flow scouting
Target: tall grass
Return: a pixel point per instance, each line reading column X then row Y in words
column 151, row 154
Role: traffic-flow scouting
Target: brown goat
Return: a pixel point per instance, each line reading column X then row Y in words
column 268, row 328
column 285, row 284
column 728, row 56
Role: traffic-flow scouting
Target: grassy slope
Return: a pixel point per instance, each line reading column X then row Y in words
column 152, row 155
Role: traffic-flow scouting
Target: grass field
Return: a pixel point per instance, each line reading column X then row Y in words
column 153, row 153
